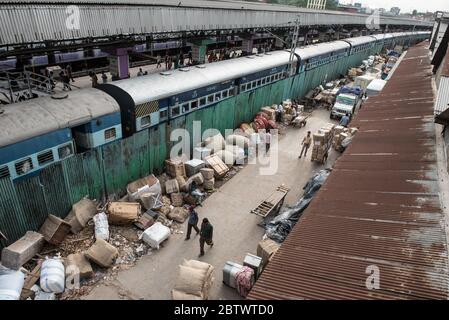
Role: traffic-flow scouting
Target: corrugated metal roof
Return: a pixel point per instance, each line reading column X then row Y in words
column 24, row 120
column 37, row 21
column 219, row 4
column 442, row 103
column 380, row 206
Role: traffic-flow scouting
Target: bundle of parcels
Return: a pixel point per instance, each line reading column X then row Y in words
column 321, row 142
column 194, row 281
column 147, row 191
column 342, row 137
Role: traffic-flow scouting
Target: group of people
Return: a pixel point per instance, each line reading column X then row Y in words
column 280, row 111
column 205, row 232
column 174, row 61
column 65, row 76
column 94, row 78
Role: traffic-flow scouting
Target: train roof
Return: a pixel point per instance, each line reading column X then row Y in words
column 166, row 84
column 321, row 49
column 382, row 36
column 359, row 40
column 28, row 119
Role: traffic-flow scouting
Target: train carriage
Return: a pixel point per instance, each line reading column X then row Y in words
column 39, row 132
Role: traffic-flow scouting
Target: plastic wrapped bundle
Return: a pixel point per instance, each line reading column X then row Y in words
column 237, row 140
column 215, row 143
column 52, row 276
column 11, row 283
column 101, row 226
column 244, row 281
column 155, row 235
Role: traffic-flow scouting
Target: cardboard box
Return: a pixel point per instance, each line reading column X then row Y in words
column 123, row 213
column 55, row 230
column 193, row 166
column 175, row 167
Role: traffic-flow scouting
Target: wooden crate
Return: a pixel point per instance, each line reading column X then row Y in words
column 175, row 167
column 215, row 162
column 54, row 230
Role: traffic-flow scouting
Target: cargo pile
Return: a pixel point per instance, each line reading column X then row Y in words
column 322, row 141
column 194, row 280
column 342, row 137
column 243, row 276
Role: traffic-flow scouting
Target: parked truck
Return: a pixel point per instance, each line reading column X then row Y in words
column 345, row 103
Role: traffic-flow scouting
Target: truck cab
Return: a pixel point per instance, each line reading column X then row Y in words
column 345, row 103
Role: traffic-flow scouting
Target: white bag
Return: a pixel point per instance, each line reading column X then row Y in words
column 101, row 226
column 53, row 276
column 155, row 235
column 11, row 283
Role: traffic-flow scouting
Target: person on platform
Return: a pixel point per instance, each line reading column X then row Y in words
column 140, row 73
column 206, row 234
column 104, row 77
column 345, row 120
column 306, row 142
column 192, row 222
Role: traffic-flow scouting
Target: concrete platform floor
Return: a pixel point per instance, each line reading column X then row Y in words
column 235, row 228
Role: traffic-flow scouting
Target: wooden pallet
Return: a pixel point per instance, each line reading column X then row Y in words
column 215, row 162
column 274, row 201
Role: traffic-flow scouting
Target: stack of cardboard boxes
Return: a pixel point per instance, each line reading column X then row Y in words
column 341, row 133
column 322, row 141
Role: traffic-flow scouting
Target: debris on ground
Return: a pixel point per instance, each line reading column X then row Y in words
column 280, row 226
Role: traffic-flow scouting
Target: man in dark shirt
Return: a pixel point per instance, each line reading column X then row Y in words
column 192, row 223
column 206, row 234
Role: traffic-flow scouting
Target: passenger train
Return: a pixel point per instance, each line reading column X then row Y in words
column 39, row 132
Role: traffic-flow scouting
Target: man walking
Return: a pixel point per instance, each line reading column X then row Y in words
column 306, row 142
column 192, row 223
column 206, row 234
column 68, row 70
column 267, row 140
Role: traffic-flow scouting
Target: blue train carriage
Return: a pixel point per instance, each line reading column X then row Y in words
column 42, row 131
column 320, row 63
column 383, row 41
column 361, row 48
column 149, row 100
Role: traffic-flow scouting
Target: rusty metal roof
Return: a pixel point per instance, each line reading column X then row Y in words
column 380, row 206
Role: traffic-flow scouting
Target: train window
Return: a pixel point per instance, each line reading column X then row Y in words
column 45, row 157
column 65, row 151
column 23, row 166
column 231, row 92
column 272, row 78
column 243, row 87
column 174, row 111
column 186, row 107
column 110, row 134
column 210, row 99
column 194, row 104
column 218, row 96
column 259, row 83
column 263, row 81
column 202, row 102
column 224, row 94
column 145, row 121
column 4, row 172
column 163, row 114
